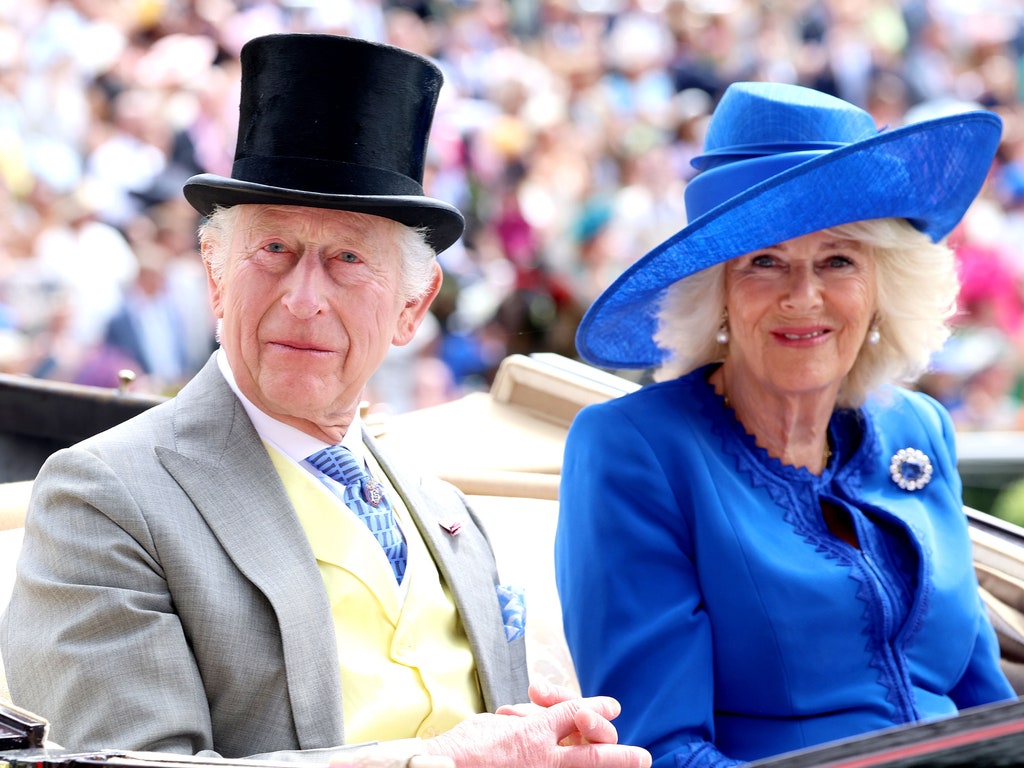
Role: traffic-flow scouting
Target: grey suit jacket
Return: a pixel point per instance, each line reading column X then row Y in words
column 168, row 600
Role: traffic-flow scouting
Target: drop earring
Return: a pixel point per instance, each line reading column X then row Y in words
column 722, row 337
column 873, row 335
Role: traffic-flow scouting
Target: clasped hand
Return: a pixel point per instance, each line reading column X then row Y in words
column 555, row 729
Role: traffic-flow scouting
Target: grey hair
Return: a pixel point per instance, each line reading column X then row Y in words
column 917, row 287
column 216, row 231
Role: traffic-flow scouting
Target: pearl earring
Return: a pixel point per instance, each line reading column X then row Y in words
column 722, row 337
column 874, row 336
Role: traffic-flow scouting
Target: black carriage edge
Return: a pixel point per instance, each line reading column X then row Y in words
column 526, row 413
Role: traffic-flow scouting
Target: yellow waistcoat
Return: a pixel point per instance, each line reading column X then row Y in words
column 406, row 666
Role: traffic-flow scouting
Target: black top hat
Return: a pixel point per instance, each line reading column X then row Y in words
column 333, row 122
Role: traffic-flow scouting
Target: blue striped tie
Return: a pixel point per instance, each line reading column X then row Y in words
column 364, row 496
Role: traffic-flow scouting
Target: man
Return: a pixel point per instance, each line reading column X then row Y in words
column 197, row 580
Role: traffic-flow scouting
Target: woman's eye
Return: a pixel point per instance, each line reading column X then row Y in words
column 762, row 261
column 276, row 247
column 349, row 257
column 838, row 261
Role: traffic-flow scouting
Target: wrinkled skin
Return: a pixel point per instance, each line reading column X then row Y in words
column 308, row 305
column 556, row 729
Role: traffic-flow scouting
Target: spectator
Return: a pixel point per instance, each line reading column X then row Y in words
column 576, row 101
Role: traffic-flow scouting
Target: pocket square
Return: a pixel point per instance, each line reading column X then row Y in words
column 513, row 610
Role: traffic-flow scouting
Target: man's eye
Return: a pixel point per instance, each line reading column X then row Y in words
column 276, row 247
column 349, row 257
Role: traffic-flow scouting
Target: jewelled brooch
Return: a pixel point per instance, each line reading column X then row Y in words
column 910, row 469
column 372, row 492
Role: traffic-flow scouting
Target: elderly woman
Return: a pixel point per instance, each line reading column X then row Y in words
column 766, row 549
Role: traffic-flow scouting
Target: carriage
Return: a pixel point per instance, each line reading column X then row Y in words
column 503, row 449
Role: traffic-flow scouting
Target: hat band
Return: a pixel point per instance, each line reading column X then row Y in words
column 715, row 186
column 325, row 177
column 713, row 158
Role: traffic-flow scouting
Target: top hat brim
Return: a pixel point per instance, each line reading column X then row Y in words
column 927, row 173
column 442, row 223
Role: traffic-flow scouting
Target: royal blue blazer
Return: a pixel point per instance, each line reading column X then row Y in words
column 701, row 586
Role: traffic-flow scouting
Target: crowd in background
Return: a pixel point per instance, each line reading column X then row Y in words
column 564, row 134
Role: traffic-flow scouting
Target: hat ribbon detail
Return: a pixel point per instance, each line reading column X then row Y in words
column 329, row 177
column 720, row 183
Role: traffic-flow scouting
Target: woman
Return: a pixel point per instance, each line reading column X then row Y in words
column 766, row 549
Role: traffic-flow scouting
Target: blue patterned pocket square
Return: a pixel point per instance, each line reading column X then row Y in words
column 513, row 610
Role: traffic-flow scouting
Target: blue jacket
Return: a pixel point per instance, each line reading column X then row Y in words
column 701, row 587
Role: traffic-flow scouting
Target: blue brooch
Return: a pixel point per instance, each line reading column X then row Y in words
column 910, row 469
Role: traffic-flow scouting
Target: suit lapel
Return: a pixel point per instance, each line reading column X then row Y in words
column 222, row 465
column 220, row 462
column 466, row 563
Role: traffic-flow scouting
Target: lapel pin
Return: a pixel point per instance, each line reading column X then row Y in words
column 453, row 526
column 373, row 494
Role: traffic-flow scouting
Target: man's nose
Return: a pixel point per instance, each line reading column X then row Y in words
column 305, row 287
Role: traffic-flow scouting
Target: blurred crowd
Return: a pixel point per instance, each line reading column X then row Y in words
column 564, row 134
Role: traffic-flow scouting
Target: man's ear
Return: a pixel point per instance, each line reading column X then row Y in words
column 416, row 310
column 212, row 286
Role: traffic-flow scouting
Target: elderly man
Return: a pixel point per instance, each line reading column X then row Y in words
column 242, row 571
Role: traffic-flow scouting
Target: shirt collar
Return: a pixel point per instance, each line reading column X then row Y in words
column 292, row 442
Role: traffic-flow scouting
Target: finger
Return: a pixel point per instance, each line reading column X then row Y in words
column 606, row 706
column 548, row 695
column 595, row 729
column 518, row 710
column 562, row 717
column 605, row 755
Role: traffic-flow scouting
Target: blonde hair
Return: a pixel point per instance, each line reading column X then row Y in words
column 917, row 286
column 216, row 231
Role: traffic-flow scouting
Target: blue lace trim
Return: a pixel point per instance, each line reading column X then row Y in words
column 798, row 492
column 704, row 755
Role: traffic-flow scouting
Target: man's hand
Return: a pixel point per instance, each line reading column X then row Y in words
column 551, row 731
column 591, row 728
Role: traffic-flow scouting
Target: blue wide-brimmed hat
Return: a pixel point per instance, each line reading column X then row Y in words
column 781, row 161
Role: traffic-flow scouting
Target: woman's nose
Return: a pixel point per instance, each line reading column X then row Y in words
column 804, row 287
